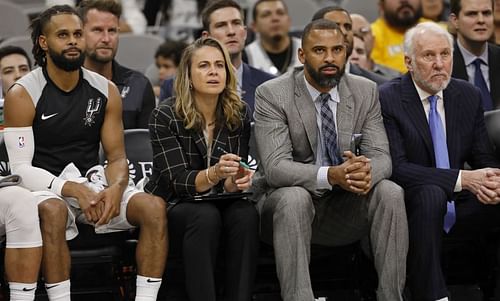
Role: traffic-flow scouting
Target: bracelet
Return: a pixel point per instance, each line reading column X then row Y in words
column 208, row 178
column 215, row 172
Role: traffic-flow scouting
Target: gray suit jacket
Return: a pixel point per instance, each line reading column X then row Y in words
column 287, row 133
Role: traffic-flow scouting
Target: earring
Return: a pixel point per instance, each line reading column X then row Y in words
column 190, row 85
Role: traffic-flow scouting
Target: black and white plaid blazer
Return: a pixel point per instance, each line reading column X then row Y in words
column 179, row 154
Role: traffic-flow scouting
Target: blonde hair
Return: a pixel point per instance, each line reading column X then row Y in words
column 229, row 105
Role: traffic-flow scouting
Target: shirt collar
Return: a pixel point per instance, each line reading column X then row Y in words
column 469, row 57
column 239, row 74
column 423, row 94
column 334, row 92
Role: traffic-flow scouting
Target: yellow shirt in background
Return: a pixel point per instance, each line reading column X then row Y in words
column 388, row 46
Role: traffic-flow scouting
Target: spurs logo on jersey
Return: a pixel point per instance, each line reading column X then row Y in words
column 93, row 107
column 125, row 91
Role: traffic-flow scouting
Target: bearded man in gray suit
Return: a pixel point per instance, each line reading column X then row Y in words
column 313, row 188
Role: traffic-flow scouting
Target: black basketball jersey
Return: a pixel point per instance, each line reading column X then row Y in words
column 67, row 125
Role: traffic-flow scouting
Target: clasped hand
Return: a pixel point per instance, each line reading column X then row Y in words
column 99, row 207
column 354, row 175
column 484, row 183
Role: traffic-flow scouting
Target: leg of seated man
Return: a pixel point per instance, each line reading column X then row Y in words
column 56, row 261
column 148, row 212
column 343, row 218
column 288, row 214
column 24, row 241
column 389, row 238
column 426, row 207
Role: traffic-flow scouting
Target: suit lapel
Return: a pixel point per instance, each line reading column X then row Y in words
column 345, row 115
column 415, row 111
column 220, row 140
column 450, row 96
column 201, row 144
column 306, row 109
column 247, row 86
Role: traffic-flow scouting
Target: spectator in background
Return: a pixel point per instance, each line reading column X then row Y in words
column 190, row 136
column 474, row 58
column 362, row 28
column 223, row 20
column 396, row 18
column 167, row 58
column 101, row 30
column 14, row 63
column 274, row 50
column 132, row 20
column 359, row 54
column 435, row 10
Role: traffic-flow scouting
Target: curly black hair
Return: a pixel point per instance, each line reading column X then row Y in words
column 38, row 26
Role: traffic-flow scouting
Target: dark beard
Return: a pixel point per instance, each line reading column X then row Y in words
column 64, row 63
column 404, row 22
column 325, row 81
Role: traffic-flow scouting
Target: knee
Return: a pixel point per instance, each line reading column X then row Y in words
column 426, row 202
column 390, row 194
column 21, row 206
column 152, row 210
column 293, row 202
column 53, row 213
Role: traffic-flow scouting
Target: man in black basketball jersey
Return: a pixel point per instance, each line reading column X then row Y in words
column 55, row 118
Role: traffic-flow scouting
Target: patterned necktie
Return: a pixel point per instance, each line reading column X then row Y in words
column 441, row 154
column 329, row 131
column 481, row 84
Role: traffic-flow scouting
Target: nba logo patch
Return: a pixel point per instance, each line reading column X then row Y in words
column 21, row 142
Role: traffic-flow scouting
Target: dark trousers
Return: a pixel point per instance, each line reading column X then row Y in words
column 426, row 207
column 196, row 230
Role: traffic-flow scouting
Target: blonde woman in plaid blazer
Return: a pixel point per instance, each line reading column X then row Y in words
column 198, row 140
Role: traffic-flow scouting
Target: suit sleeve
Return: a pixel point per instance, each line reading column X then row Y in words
column 148, row 104
column 274, row 145
column 169, row 157
column 374, row 143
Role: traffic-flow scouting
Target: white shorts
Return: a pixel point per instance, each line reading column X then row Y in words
column 19, row 221
column 76, row 215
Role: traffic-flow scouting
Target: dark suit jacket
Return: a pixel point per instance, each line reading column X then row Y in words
column 410, row 138
column 179, row 154
column 356, row 70
column 459, row 70
column 252, row 78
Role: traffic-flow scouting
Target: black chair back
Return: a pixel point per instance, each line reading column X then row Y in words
column 492, row 119
column 139, row 154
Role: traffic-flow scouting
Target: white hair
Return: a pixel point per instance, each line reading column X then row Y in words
column 423, row 29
